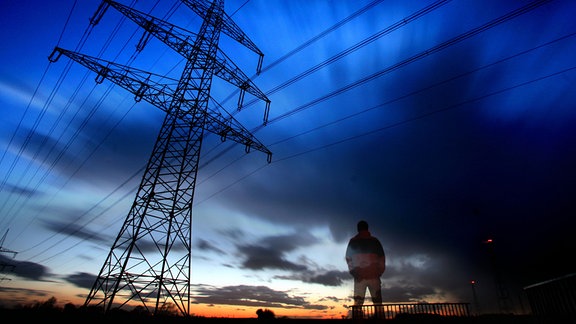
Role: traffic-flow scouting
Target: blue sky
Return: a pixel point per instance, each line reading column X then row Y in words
column 441, row 123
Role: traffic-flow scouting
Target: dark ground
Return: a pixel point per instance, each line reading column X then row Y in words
column 28, row 315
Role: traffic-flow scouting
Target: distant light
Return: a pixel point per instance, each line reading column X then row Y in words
column 473, row 282
column 488, row 241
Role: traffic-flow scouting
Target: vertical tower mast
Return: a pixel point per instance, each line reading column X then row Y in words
column 149, row 263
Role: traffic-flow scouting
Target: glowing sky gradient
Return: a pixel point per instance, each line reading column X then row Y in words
column 441, row 123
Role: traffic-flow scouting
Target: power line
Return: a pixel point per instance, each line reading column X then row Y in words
column 397, row 25
column 413, row 93
column 65, row 109
column 324, row 33
column 413, row 58
column 312, row 40
column 428, row 114
column 95, row 19
column 319, row 148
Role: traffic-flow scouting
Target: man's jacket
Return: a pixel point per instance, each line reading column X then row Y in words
column 365, row 256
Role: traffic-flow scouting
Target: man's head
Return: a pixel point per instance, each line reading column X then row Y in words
column 362, row 226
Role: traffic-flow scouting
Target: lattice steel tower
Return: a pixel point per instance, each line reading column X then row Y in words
column 149, row 263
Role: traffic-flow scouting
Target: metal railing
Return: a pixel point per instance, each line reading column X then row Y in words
column 391, row 311
column 554, row 299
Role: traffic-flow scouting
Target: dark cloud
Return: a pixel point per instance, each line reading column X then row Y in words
column 19, row 190
column 75, row 230
column 204, row 245
column 79, row 231
column 24, row 269
column 332, row 298
column 146, row 245
column 269, row 252
column 124, row 149
column 287, row 243
column 81, row 279
column 44, row 149
column 329, row 278
column 255, row 296
column 83, row 151
column 233, row 233
column 326, row 278
column 407, row 293
column 262, row 258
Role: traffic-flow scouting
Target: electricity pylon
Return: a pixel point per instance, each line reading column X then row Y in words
column 3, row 265
column 149, row 264
column 504, row 302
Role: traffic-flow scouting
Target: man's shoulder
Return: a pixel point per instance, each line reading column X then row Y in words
column 364, row 239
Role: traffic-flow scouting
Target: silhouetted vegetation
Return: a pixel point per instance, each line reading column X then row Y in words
column 50, row 311
column 265, row 314
column 42, row 311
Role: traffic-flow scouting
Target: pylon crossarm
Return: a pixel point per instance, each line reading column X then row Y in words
column 228, row 71
column 229, row 128
column 141, row 84
column 151, row 25
column 181, row 40
column 174, row 36
column 138, row 82
column 229, row 27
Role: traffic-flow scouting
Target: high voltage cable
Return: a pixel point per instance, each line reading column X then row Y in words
column 71, row 99
column 465, row 102
column 35, row 91
column 77, row 229
column 444, row 109
column 324, row 34
column 44, row 109
column 330, row 144
column 39, row 118
column 421, row 90
column 434, row 49
column 26, row 110
column 401, row 23
column 83, row 124
column 70, row 141
column 312, row 41
column 242, row 6
column 76, row 170
column 422, row 116
column 413, row 93
column 411, row 59
column 170, row 12
column 404, row 21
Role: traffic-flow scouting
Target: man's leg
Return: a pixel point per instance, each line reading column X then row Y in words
column 375, row 288
column 359, row 293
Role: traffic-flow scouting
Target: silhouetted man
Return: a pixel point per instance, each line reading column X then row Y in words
column 366, row 263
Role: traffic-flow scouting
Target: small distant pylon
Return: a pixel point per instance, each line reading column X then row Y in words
column 503, row 296
column 3, row 265
column 149, row 264
column 475, row 298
